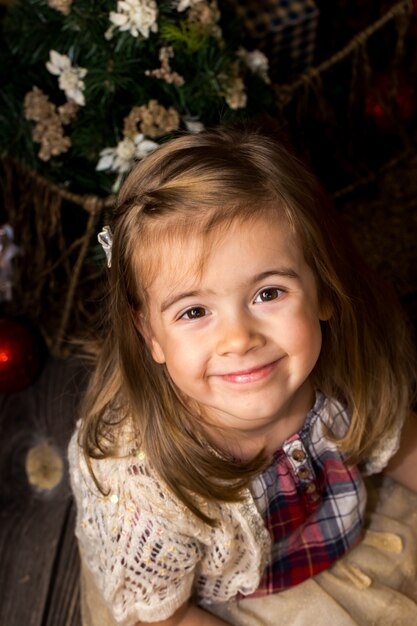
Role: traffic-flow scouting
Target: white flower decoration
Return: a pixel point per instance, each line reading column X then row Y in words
column 236, row 96
column 182, row 5
column 70, row 78
column 136, row 16
column 121, row 158
column 193, row 125
column 257, row 62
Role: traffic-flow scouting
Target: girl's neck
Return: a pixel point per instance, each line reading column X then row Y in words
column 244, row 445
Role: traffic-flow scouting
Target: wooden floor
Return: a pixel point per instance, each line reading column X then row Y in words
column 39, row 560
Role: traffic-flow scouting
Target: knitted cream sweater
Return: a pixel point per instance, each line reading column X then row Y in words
column 146, row 550
column 148, row 553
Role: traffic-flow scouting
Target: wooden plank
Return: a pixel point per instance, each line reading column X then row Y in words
column 36, row 528
column 29, row 535
column 63, row 604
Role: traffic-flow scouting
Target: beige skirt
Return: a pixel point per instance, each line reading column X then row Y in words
column 374, row 585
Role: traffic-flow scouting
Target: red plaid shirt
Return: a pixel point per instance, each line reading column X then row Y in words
column 311, row 500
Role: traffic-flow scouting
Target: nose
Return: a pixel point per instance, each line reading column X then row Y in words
column 238, row 334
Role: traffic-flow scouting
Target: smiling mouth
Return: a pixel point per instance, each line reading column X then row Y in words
column 251, row 375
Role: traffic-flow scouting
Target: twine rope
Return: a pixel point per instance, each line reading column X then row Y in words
column 94, row 212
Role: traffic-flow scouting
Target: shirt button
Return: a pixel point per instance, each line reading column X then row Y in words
column 311, row 488
column 303, row 473
column 298, row 454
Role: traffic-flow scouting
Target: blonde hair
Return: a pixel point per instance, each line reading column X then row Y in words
column 197, row 183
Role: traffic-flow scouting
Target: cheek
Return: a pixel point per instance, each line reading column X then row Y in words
column 185, row 365
column 179, row 358
column 306, row 338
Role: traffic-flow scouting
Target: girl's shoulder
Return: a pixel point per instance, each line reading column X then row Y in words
column 329, row 415
column 124, row 477
column 383, row 452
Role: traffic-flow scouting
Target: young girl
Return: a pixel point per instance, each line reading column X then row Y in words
column 252, row 373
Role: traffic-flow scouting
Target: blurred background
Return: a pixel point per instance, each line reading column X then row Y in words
column 87, row 88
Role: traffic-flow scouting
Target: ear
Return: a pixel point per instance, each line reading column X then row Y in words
column 145, row 329
column 325, row 310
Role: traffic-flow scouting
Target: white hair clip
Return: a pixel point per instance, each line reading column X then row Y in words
column 105, row 238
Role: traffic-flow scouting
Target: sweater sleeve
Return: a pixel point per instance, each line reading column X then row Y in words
column 382, row 453
column 143, row 561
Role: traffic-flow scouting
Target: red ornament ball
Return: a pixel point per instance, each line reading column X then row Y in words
column 20, row 356
column 404, row 101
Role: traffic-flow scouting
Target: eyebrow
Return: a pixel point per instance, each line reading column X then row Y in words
column 177, row 297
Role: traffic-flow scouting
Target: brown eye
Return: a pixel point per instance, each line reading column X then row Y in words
column 266, row 295
column 194, row 313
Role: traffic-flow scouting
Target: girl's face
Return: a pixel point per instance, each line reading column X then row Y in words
column 241, row 337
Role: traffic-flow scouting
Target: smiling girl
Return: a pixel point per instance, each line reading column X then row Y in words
column 252, row 373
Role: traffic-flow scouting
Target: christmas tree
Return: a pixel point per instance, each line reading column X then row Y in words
column 90, row 87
